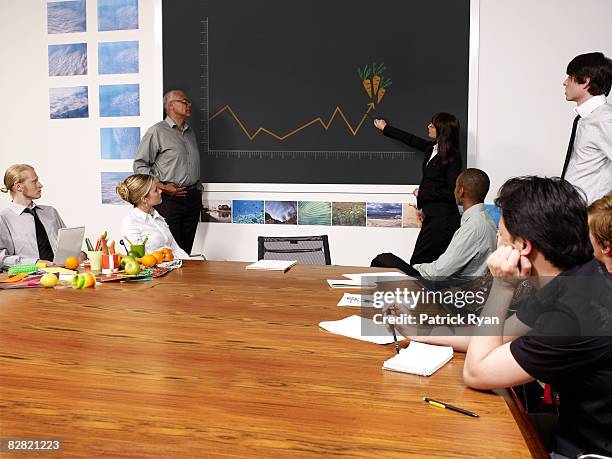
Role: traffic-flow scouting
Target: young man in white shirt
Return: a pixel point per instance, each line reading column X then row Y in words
column 28, row 231
column 588, row 163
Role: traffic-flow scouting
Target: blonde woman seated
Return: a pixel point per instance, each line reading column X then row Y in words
column 143, row 192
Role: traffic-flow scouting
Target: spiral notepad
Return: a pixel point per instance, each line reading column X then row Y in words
column 419, row 359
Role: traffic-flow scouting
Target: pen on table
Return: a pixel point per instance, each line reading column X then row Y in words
column 397, row 349
column 440, row 404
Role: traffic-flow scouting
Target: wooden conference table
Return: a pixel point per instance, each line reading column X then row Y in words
column 213, row 360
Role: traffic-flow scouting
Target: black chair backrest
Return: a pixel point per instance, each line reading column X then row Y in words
column 307, row 250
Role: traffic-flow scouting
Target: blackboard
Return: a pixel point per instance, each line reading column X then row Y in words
column 276, row 90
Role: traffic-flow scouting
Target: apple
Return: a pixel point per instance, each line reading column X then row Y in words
column 78, row 281
column 132, row 267
column 48, row 280
column 124, row 260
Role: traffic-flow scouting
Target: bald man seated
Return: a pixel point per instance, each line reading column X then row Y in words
column 472, row 243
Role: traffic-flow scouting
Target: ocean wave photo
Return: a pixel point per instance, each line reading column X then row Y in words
column 66, row 17
column 251, row 212
column 119, row 143
column 118, row 57
column 69, row 59
column 117, row 15
column 109, row 181
column 68, row 102
column 119, row 100
column 314, row 213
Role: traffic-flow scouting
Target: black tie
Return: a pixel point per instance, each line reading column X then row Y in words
column 44, row 247
column 570, row 147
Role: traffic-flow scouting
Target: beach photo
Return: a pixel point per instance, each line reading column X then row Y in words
column 68, row 102
column 119, row 100
column 117, row 57
column 251, row 212
column 281, row 212
column 385, row 214
column 67, row 60
column 349, row 214
column 314, row 213
column 409, row 218
column 109, row 181
column 216, row 211
column 117, row 15
column 119, row 142
column 66, row 17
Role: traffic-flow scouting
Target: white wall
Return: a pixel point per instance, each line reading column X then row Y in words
column 523, row 120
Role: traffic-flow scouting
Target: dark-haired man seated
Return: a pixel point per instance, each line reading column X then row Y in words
column 471, row 244
column 561, row 335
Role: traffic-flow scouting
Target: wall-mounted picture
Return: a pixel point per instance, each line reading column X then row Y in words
column 314, row 213
column 281, row 212
column 118, row 57
column 109, row 181
column 349, row 214
column 68, row 102
column 495, row 213
column 385, row 214
column 117, row 15
column 119, row 100
column 66, row 17
column 216, row 211
column 67, row 60
column 119, row 142
column 409, row 218
column 248, row 212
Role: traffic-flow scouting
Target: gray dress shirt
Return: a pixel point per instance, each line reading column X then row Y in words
column 169, row 154
column 469, row 248
column 590, row 166
column 18, row 233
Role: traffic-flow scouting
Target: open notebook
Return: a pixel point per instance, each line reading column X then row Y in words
column 419, row 359
column 272, row 265
column 360, row 328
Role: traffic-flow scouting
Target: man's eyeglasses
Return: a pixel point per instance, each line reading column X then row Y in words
column 182, row 101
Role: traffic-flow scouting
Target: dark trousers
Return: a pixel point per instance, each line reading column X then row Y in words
column 388, row 260
column 434, row 237
column 182, row 215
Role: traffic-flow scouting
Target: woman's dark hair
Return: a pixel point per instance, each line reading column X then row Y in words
column 551, row 214
column 447, row 136
column 596, row 67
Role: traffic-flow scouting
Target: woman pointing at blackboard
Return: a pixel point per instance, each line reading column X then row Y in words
column 435, row 194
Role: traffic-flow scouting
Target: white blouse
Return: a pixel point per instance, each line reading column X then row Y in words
column 138, row 225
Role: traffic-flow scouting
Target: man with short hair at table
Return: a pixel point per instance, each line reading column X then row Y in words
column 562, row 334
column 588, row 162
column 467, row 252
column 169, row 152
column 28, row 231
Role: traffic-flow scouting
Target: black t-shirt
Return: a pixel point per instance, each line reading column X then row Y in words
column 570, row 347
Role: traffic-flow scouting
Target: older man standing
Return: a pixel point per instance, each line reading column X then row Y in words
column 169, row 152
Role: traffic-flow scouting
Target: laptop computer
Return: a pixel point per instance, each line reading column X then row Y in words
column 69, row 243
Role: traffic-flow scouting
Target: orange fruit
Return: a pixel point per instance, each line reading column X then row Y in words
column 165, row 250
column 158, row 256
column 168, row 256
column 149, row 260
column 71, row 263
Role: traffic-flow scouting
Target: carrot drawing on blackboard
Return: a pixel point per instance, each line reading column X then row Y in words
column 377, row 71
column 364, row 73
column 385, row 83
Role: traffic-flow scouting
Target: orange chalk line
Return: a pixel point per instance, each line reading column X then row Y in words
column 337, row 111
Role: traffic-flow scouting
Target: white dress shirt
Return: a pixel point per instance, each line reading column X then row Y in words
column 434, row 152
column 590, row 165
column 138, row 224
column 18, row 233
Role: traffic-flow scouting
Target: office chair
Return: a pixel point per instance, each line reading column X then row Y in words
column 307, row 250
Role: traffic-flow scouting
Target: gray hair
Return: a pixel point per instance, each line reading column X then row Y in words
column 168, row 96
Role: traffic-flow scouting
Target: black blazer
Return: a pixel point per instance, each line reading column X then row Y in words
column 437, row 187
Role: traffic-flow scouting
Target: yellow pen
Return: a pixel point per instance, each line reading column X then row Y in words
column 440, row 404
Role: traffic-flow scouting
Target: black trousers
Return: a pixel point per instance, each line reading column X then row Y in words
column 434, row 237
column 182, row 215
column 389, row 260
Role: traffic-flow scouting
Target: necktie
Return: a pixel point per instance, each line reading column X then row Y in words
column 42, row 240
column 570, row 147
